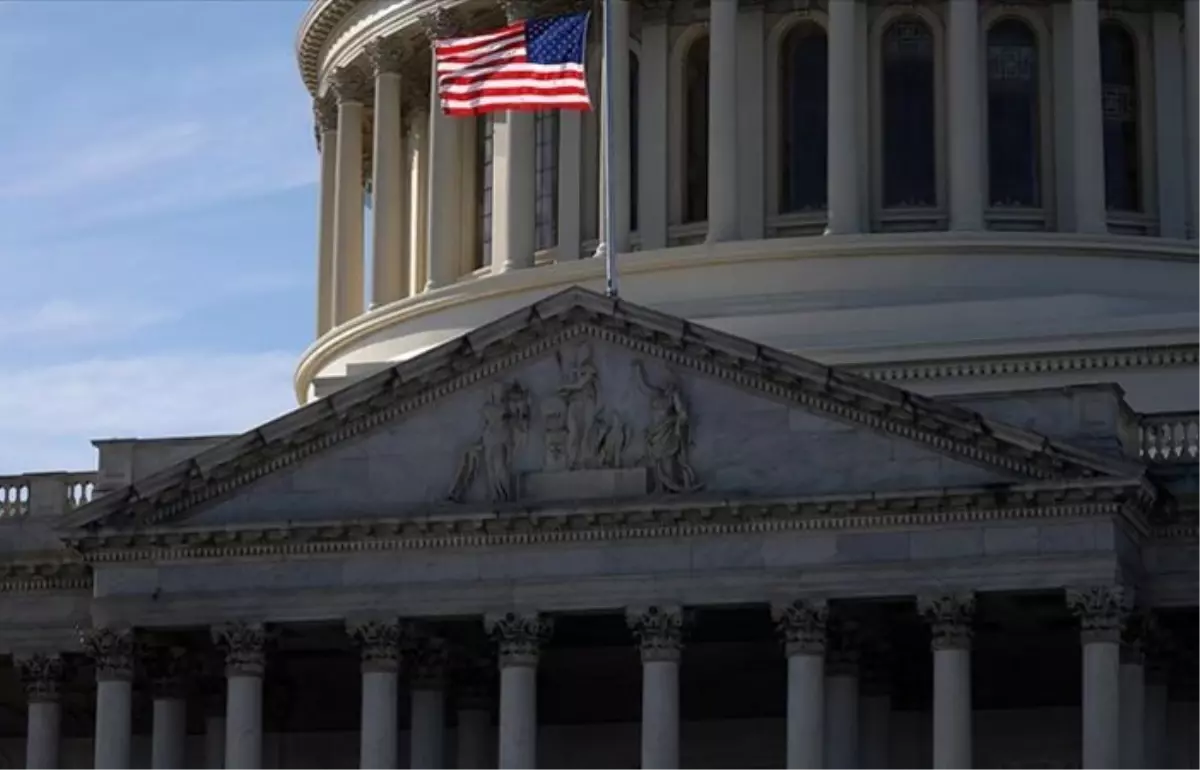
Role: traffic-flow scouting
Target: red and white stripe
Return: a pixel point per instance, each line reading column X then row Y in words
column 491, row 72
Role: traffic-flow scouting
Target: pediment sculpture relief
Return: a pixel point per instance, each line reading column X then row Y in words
column 580, row 442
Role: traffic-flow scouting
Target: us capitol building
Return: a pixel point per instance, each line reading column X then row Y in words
column 885, row 457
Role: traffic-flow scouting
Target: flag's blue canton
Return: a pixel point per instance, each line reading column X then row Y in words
column 556, row 39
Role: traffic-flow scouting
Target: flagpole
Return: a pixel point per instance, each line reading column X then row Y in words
column 610, row 141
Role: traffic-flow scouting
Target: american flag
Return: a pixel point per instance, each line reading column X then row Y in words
column 536, row 64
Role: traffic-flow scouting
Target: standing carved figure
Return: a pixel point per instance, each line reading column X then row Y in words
column 505, row 423
column 668, row 438
column 580, row 391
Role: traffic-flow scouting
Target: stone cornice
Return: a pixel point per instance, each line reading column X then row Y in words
column 646, row 519
column 33, row 576
column 496, row 347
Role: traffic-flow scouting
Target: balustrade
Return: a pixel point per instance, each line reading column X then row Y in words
column 1169, row 438
column 45, row 493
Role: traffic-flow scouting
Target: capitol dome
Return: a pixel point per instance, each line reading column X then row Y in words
column 955, row 196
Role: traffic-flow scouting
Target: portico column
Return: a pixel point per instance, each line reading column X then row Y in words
column 350, row 87
column 474, row 739
column 841, row 693
column 802, row 625
column 426, row 658
column 966, row 150
column 245, row 661
column 42, row 676
column 617, row 100
column 169, row 727
column 722, row 122
column 875, row 706
column 1191, row 34
column 1087, row 119
column 214, row 727
column 520, row 636
column 949, row 617
column 325, row 112
column 1133, row 691
column 659, row 631
column 389, row 211
column 379, row 646
column 1101, row 611
column 1155, row 711
column 443, row 240
column 111, row 650
column 843, row 193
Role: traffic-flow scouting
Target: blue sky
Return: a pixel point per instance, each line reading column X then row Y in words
column 157, row 221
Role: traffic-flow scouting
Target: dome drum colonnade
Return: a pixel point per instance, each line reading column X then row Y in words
column 435, row 215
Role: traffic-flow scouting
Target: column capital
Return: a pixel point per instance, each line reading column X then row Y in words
column 112, row 651
column 325, row 114
column 169, row 668
column 378, row 642
column 1101, row 610
column 244, row 646
column 519, row 636
column 42, row 675
column 516, row 10
column 389, row 54
column 658, row 629
column 950, row 617
column 426, row 657
column 441, row 23
column 803, row 625
column 350, row 85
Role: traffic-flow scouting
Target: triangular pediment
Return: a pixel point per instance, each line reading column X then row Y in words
column 583, row 398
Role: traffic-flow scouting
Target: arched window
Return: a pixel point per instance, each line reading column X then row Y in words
column 483, row 186
column 633, row 141
column 804, row 103
column 1014, row 176
column 695, row 127
column 909, row 115
column 1118, row 75
column 545, row 217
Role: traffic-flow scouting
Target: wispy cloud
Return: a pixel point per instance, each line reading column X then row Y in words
column 51, row 412
column 68, row 322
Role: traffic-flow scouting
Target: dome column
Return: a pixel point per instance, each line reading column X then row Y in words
column 966, row 149
column 443, row 240
column 389, row 222
column 722, row 123
column 514, row 142
column 325, row 113
column 350, row 87
column 1087, row 116
column 416, row 114
column 842, row 193
column 1191, row 34
column 617, row 100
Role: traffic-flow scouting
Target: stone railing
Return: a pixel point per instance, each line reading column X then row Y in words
column 1169, row 438
column 44, row 494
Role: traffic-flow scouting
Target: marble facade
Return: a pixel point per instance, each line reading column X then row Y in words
column 460, row 560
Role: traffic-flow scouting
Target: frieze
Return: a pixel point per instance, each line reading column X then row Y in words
column 659, row 631
column 491, row 351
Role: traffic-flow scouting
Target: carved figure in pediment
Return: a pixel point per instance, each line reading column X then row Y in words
column 580, row 391
column 668, row 437
column 611, row 439
column 554, row 421
column 505, row 427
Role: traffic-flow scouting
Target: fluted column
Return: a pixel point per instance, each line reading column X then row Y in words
column 965, row 117
column 351, row 89
column 111, row 651
column 875, row 697
column 1191, row 35
column 841, row 692
column 1087, row 119
column 42, row 676
column 325, row 112
column 722, row 123
column 416, row 113
column 514, row 143
column 1101, row 611
column 389, row 212
column 653, row 133
column 167, row 668
column 443, row 240
column 520, row 637
column 619, row 104
column 1155, row 744
column 1133, row 691
column 659, row 631
column 426, row 657
column 214, row 727
column 802, row 624
column 474, row 737
column 379, row 647
column 950, row 617
column 843, row 193
column 244, row 646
